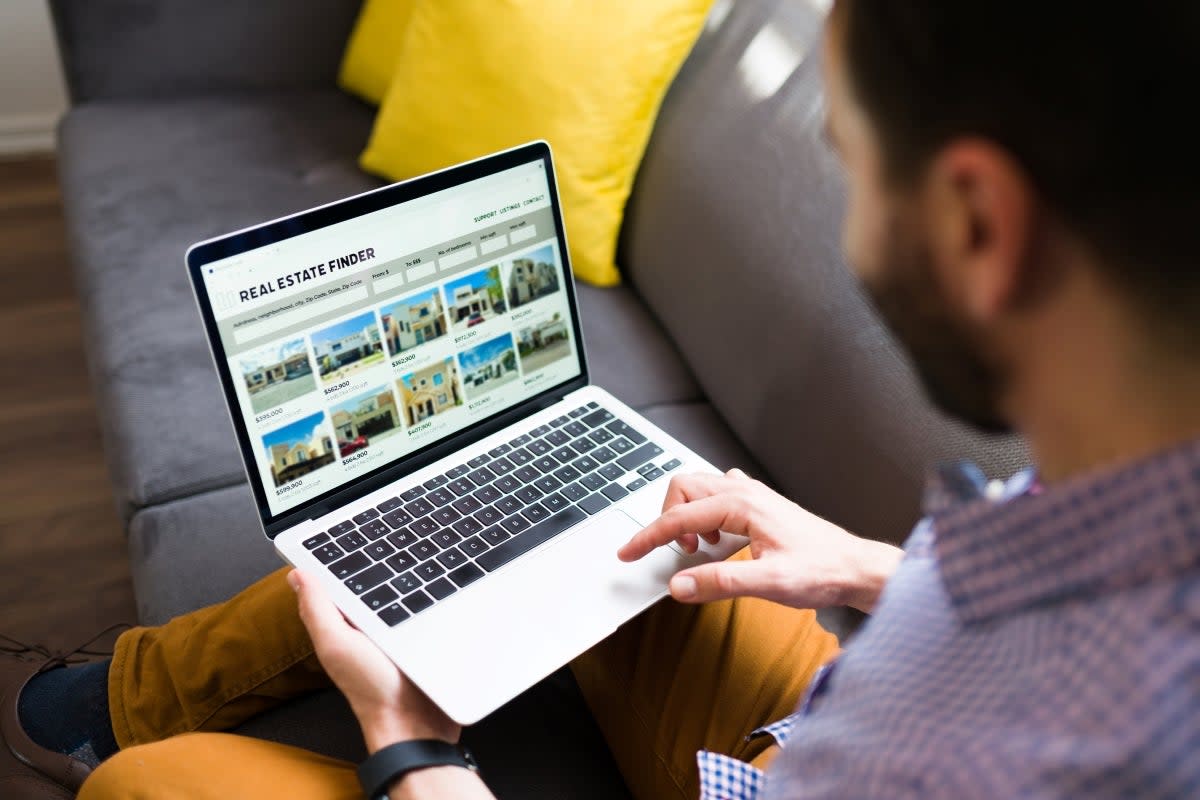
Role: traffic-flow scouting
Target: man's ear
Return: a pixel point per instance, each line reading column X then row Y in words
column 979, row 212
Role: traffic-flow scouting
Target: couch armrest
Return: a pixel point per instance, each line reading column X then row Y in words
column 140, row 48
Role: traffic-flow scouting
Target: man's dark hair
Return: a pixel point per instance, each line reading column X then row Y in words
column 1095, row 101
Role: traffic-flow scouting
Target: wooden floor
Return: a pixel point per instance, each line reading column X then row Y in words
column 64, row 574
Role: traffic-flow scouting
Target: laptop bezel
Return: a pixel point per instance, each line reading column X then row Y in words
column 267, row 233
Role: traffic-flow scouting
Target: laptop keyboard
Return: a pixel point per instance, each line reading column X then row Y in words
column 422, row 546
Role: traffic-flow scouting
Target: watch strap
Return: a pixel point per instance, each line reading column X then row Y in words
column 389, row 764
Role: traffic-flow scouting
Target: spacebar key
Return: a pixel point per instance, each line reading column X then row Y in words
column 525, row 541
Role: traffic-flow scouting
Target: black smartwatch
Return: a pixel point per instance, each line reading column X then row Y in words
column 393, row 762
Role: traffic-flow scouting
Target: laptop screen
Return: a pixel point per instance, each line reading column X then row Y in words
column 355, row 344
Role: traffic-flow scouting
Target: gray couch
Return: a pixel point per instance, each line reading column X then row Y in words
column 738, row 330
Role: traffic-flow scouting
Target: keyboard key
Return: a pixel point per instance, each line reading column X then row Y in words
column 603, row 455
column 596, row 481
column 600, row 436
column 557, row 438
column 653, row 475
column 393, row 614
column 565, row 455
column 488, row 515
column 575, row 429
column 365, row 516
column 610, row 471
column 429, row 570
column 351, row 541
column 583, row 445
column 488, row 495
column 368, row 578
column 479, row 461
column 644, row 468
column 674, row 463
column 620, row 428
column 466, row 505
column 574, row 492
column 457, row 472
column 390, row 504
column 351, row 564
column 441, row 589
column 515, row 524
column 520, row 456
column 509, row 505
column 473, row 546
column 639, row 456
column 520, row 440
column 401, row 561
column 579, row 412
column 379, row 550
column 494, row 535
column 509, row 483
column 597, row 418
column 379, row 597
column 445, row 516
column 621, row 445
column 466, row 574
column 549, row 483
column 406, row 583
column 412, row 494
column 594, row 504
column 422, row 550
column 451, row 558
column 446, row 538
column 593, row 404
column 615, row 491
column 313, row 541
column 528, row 473
column 468, row 526
column 440, row 497
column 481, row 477
column 419, row 507
column 496, row 452
column 585, row 464
column 461, row 486
column 374, row 529
column 501, row 466
column 340, row 528
column 539, row 448
column 417, row 602
column 540, row 430
column 554, row 502
column 527, row 494
column 566, row 474
column 526, row 541
column 397, row 519
column 557, row 421
column 535, row 512
column 423, row 526
column 546, row 464
column 634, row 485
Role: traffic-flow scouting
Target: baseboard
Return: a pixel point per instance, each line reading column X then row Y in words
column 27, row 133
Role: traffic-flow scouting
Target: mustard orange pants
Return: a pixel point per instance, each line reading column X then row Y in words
column 672, row 681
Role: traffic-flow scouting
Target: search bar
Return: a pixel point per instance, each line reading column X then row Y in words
column 308, row 311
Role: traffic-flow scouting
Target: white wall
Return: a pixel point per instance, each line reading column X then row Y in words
column 32, row 94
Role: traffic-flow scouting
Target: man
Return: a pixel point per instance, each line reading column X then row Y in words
column 1022, row 196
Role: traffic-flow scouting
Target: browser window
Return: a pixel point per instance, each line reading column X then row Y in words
column 356, row 344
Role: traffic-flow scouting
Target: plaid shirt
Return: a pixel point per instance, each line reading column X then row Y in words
column 1032, row 644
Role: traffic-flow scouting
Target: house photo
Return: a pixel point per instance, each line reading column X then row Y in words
column 347, row 347
column 414, row 320
column 276, row 373
column 543, row 343
column 299, row 448
column 364, row 420
column 532, row 276
column 430, row 391
column 488, row 366
column 475, row 299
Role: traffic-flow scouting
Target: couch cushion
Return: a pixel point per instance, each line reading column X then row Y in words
column 733, row 239
column 143, row 181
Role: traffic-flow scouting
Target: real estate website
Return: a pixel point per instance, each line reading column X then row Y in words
column 354, row 345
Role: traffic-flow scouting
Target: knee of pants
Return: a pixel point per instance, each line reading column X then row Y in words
column 122, row 775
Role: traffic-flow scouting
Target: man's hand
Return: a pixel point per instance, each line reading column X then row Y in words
column 388, row 707
column 799, row 559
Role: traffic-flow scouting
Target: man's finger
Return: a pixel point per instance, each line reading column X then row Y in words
column 720, row 580
column 687, row 487
column 321, row 617
column 699, row 516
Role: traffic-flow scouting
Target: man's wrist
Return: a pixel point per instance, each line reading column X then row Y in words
column 874, row 562
column 380, row 730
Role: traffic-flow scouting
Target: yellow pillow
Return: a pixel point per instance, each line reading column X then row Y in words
column 371, row 52
column 586, row 75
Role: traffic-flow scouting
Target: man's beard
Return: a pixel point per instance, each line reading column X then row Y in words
column 942, row 348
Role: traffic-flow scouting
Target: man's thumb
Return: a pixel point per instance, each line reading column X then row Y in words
column 720, row 580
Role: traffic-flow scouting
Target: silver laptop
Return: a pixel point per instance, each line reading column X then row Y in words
column 406, row 375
